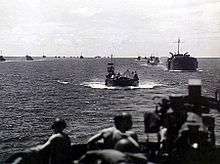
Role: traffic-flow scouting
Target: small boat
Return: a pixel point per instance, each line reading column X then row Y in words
column 152, row 60
column 138, row 58
column 81, row 56
column 122, row 80
column 29, row 57
column 183, row 62
column 1, row 57
column 97, row 57
column 44, row 56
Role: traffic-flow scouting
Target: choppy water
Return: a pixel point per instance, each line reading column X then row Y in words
column 33, row 93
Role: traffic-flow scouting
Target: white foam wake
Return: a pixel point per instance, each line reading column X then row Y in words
column 62, row 82
column 101, row 85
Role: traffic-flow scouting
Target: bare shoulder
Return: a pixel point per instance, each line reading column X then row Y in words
column 111, row 129
column 56, row 136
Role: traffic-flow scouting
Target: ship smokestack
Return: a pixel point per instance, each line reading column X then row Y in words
column 194, row 89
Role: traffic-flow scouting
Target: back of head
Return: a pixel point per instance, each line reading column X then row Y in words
column 126, row 145
column 123, row 121
column 59, row 124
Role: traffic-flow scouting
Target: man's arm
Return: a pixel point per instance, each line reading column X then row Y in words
column 95, row 138
column 45, row 146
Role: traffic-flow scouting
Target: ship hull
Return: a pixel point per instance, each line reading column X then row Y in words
column 121, row 82
column 182, row 63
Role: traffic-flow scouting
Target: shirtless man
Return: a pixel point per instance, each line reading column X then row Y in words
column 57, row 148
column 112, row 135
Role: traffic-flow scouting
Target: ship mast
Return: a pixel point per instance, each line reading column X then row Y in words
column 178, row 52
column 178, row 45
column 111, row 58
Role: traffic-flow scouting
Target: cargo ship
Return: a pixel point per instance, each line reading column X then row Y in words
column 182, row 62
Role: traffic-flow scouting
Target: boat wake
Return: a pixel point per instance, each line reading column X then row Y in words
column 62, row 82
column 198, row 70
column 101, row 85
column 160, row 65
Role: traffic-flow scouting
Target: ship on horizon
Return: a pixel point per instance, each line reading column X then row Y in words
column 28, row 57
column 182, row 62
column 1, row 56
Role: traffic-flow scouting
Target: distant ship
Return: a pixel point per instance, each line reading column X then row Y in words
column 139, row 58
column 97, row 57
column 1, row 57
column 44, row 56
column 29, row 57
column 81, row 56
column 142, row 59
column 182, row 61
column 122, row 80
column 152, row 60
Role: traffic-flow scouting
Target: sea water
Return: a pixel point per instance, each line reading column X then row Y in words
column 33, row 93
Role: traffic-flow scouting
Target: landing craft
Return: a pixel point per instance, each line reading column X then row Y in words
column 122, row 80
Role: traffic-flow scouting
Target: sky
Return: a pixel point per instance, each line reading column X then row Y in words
column 125, row 28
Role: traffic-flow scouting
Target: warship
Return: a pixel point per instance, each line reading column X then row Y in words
column 182, row 62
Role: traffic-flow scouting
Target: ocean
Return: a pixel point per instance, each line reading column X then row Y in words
column 33, row 93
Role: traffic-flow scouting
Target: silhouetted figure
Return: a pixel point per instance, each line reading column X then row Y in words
column 136, row 76
column 191, row 145
column 118, row 75
column 151, row 122
column 112, row 135
column 57, row 148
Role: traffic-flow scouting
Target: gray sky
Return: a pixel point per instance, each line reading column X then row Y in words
column 125, row 28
